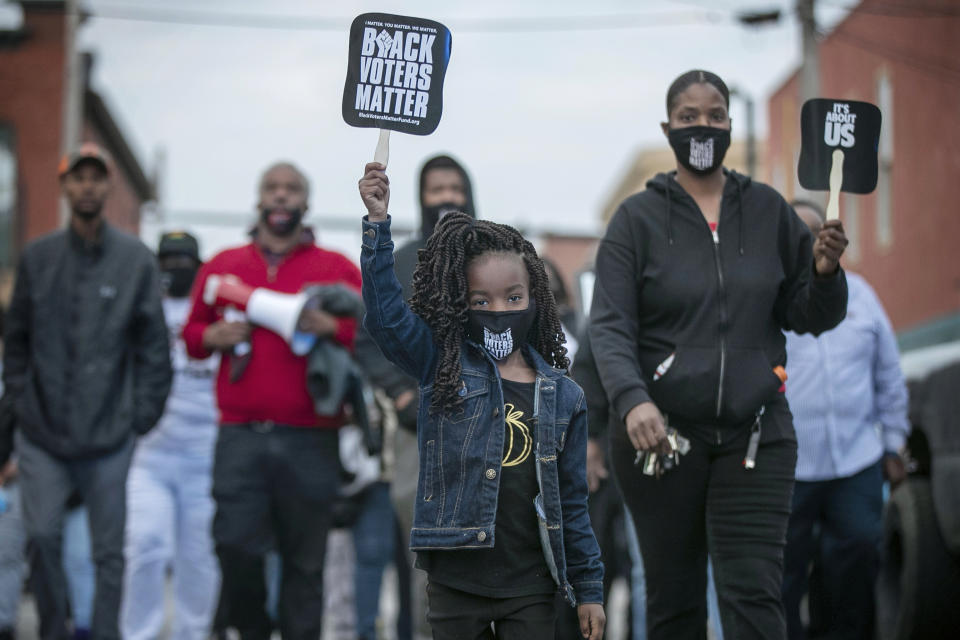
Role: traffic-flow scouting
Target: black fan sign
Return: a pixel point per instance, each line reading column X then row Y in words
column 838, row 152
column 395, row 74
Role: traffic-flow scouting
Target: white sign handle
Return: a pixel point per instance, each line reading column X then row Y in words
column 836, row 181
column 382, row 154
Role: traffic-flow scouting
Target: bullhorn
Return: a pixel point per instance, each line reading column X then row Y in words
column 278, row 312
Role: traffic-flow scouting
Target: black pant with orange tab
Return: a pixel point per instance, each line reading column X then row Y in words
column 711, row 504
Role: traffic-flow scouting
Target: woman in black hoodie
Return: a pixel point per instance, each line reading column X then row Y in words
column 697, row 277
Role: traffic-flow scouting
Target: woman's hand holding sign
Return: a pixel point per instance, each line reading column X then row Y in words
column 375, row 191
column 828, row 247
column 838, row 152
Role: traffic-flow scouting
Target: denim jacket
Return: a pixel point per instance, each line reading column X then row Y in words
column 461, row 451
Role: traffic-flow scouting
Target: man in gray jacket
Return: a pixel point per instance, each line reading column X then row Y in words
column 86, row 370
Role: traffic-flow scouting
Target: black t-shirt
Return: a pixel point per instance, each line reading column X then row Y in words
column 515, row 566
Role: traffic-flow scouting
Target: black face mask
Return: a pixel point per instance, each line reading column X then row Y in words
column 281, row 222
column 501, row 332
column 432, row 215
column 700, row 149
column 87, row 214
column 178, row 280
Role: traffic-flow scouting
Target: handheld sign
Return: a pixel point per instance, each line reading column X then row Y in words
column 395, row 76
column 838, row 149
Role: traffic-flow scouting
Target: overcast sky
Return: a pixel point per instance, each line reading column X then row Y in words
column 545, row 121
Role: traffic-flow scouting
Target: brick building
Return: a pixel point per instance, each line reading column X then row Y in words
column 32, row 92
column 571, row 254
column 904, row 236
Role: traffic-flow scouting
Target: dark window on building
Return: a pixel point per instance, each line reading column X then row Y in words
column 885, row 160
column 8, row 194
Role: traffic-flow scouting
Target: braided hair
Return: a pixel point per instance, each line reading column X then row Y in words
column 440, row 295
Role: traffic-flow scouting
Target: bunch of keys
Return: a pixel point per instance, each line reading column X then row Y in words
column 655, row 464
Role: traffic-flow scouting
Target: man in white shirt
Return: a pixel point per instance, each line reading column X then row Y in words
column 849, row 404
column 169, row 502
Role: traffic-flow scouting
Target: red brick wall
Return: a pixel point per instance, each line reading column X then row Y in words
column 918, row 275
column 571, row 254
column 31, row 100
column 31, row 96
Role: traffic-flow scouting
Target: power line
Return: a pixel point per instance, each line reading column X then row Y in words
column 913, row 9
column 220, row 19
column 461, row 25
column 587, row 23
column 328, row 220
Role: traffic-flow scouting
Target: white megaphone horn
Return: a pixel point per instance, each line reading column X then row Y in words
column 279, row 312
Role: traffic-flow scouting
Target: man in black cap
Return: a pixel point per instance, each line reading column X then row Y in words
column 86, row 369
column 169, row 502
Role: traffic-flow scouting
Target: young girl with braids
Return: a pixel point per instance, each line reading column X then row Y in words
column 500, row 521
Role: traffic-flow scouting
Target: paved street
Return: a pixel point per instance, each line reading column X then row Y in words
column 339, row 618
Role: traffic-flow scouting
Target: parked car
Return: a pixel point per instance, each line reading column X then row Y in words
column 918, row 590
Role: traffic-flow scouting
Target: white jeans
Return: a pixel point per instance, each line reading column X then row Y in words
column 169, row 515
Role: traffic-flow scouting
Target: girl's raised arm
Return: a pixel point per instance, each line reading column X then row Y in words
column 403, row 337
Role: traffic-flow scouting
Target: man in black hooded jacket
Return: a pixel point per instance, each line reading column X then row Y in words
column 444, row 188
column 86, row 370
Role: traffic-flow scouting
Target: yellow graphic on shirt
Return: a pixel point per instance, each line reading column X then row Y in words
column 519, row 442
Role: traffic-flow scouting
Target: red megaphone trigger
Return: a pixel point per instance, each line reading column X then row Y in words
column 223, row 291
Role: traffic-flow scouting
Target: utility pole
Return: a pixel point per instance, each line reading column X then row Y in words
column 153, row 211
column 810, row 70
column 72, row 89
column 751, row 159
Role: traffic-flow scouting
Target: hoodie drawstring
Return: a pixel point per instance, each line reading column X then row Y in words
column 669, row 214
column 740, row 207
column 733, row 176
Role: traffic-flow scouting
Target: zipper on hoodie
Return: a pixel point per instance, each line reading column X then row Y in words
column 722, row 295
column 723, row 321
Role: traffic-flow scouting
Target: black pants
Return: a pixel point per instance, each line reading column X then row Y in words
column 46, row 483
column 847, row 515
column 401, row 560
column 273, row 486
column 456, row 615
column 710, row 503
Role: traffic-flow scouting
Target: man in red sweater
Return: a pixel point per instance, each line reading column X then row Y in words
column 276, row 462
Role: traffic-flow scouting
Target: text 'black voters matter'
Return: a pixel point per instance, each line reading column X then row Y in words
column 395, row 73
